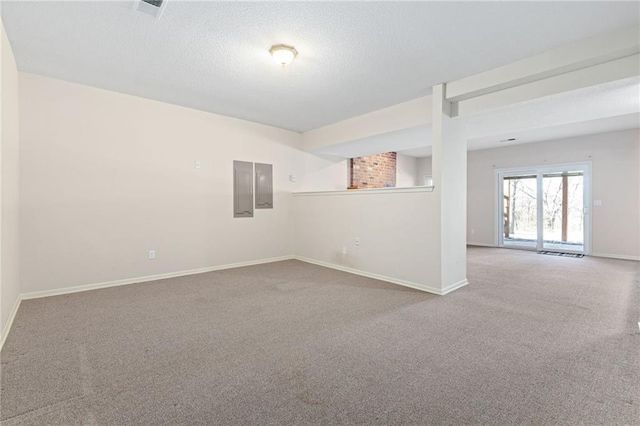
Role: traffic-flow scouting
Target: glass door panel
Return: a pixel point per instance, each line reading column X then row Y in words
column 520, row 217
column 563, row 211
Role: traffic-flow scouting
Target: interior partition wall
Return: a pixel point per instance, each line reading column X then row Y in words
column 544, row 208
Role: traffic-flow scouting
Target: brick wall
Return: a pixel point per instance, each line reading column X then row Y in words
column 374, row 171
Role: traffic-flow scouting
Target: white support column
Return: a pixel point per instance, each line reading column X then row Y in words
column 450, row 180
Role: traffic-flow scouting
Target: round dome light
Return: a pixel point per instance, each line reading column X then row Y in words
column 283, row 54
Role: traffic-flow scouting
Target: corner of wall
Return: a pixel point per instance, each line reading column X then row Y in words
column 9, row 186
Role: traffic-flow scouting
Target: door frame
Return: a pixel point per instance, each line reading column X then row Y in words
column 539, row 171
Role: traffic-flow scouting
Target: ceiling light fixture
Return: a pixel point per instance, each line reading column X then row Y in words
column 283, row 54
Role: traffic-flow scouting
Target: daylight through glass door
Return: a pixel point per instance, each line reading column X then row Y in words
column 520, row 224
column 563, row 211
column 544, row 208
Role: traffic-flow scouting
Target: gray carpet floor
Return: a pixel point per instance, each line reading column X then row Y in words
column 532, row 340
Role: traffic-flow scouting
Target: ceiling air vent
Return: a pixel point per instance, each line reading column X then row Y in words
column 150, row 7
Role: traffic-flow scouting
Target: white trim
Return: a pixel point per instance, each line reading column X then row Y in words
column 540, row 211
column 544, row 168
column 498, row 212
column 470, row 243
column 7, row 326
column 365, row 191
column 454, row 286
column 87, row 287
column 404, row 283
column 588, row 214
column 616, row 256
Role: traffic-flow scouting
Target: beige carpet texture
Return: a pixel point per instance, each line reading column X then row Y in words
column 532, row 339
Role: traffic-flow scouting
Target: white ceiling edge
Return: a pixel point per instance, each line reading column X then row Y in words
column 563, row 131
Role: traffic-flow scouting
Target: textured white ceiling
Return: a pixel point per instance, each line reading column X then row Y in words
column 597, row 109
column 355, row 57
column 560, row 131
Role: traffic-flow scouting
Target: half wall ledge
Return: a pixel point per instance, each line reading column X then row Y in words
column 367, row 191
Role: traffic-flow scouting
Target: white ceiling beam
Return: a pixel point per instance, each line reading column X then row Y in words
column 619, row 69
column 571, row 57
column 398, row 117
column 593, row 61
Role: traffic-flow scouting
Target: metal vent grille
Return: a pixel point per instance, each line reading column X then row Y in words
column 155, row 3
column 150, row 7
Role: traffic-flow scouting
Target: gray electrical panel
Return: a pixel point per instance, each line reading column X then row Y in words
column 264, row 186
column 242, row 189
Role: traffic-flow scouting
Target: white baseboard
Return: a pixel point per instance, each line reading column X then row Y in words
column 616, row 256
column 7, row 326
column 404, row 283
column 87, row 287
column 469, row 243
column 455, row 286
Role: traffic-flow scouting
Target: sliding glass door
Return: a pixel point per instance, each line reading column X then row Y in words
column 563, row 211
column 520, row 210
column 544, row 208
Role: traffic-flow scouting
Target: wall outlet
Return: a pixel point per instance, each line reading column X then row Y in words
column 357, row 241
column 152, row 254
column 196, row 164
column 344, row 250
column 292, row 178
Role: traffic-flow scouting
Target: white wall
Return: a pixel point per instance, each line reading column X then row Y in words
column 406, row 171
column 9, row 189
column 105, row 177
column 323, row 173
column 615, row 161
column 424, row 168
column 397, row 239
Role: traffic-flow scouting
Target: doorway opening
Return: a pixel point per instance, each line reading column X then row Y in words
column 544, row 208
